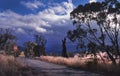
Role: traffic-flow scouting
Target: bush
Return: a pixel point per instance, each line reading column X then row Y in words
column 92, row 63
column 11, row 66
column 70, row 54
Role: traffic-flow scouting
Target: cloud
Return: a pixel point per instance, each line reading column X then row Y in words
column 33, row 5
column 46, row 21
column 53, row 22
column 90, row 1
column 10, row 19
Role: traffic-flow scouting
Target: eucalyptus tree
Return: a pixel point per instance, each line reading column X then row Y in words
column 7, row 40
column 41, row 42
column 29, row 48
column 98, row 23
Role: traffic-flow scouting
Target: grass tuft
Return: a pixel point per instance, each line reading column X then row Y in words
column 86, row 64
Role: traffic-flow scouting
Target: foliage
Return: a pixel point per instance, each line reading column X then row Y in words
column 11, row 66
column 36, row 48
column 86, row 64
column 7, row 40
column 92, row 63
column 64, row 50
column 29, row 48
column 97, row 23
column 41, row 42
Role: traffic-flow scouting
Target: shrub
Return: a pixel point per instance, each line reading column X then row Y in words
column 11, row 66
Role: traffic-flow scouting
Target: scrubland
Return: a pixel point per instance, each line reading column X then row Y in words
column 11, row 66
column 90, row 64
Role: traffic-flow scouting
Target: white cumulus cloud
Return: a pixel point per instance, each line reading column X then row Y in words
column 90, row 1
column 50, row 19
column 32, row 5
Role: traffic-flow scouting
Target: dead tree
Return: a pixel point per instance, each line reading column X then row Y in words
column 64, row 50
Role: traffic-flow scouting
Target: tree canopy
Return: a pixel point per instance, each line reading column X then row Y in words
column 97, row 23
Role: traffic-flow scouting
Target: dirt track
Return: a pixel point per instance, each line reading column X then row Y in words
column 49, row 69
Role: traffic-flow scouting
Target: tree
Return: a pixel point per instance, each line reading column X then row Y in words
column 29, row 48
column 37, row 47
column 92, row 47
column 41, row 42
column 98, row 23
column 7, row 40
column 64, row 50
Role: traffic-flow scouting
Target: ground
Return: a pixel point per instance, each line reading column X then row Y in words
column 42, row 68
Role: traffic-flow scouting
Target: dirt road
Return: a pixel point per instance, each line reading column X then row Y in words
column 49, row 69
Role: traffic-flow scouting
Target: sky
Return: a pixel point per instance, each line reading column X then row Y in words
column 51, row 18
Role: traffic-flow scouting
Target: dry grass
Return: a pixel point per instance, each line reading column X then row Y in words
column 11, row 66
column 86, row 64
column 64, row 61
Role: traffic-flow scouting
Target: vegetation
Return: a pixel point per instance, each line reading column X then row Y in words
column 7, row 42
column 11, row 66
column 36, row 48
column 85, row 64
column 41, row 42
column 9, row 46
column 97, row 27
column 64, row 50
